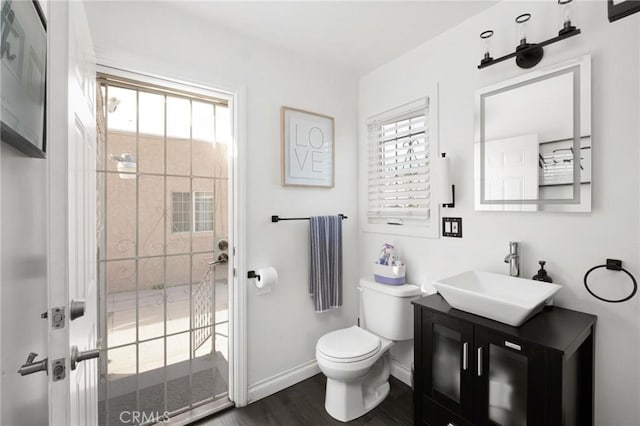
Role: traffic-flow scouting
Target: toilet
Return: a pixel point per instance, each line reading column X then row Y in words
column 356, row 360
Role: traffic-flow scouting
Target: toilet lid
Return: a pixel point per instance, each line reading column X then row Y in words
column 349, row 344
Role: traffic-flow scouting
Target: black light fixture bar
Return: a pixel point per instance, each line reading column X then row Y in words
column 529, row 49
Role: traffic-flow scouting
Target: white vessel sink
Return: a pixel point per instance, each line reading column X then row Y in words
column 499, row 297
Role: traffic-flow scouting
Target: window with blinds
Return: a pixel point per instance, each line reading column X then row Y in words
column 399, row 165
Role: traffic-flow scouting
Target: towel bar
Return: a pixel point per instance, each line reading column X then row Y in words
column 276, row 218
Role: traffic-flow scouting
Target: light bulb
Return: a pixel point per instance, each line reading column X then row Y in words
column 521, row 29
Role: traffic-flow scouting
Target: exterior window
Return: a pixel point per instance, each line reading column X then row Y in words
column 192, row 214
column 181, row 212
column 203, row 211
column 399, row 169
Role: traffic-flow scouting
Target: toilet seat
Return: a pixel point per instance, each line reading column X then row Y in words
column 349, row 345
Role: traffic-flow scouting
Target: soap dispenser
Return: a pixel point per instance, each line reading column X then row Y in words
column 542, row 274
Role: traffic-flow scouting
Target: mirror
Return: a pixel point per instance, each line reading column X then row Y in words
column 533, row 141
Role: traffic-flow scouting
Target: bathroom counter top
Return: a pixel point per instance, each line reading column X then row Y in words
column 556, row 328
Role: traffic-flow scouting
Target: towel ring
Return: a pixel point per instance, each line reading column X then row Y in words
column 613, row 265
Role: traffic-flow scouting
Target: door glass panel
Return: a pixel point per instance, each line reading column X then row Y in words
column 151, row 356
column 202, row 146
column 163, row 175
column 446, row 361
column 151, row 133
column 120, row 306
column 122, row 362
column 507, row 387
column 179, row 208
column 178, row 293
column 121, row 195
column 151, row 300
column 151, row 215
column 122, row 119
column 178, row 136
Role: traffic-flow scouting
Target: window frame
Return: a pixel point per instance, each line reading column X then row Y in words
column 192, row 211
column 418, row 227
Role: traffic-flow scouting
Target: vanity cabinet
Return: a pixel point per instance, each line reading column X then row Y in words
column 470, row 370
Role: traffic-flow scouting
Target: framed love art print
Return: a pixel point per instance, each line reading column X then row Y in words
column 307, row 148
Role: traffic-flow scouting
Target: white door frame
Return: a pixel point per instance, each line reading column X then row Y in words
column 238, row 387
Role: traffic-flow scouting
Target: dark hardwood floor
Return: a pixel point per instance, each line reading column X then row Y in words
column 303, row 404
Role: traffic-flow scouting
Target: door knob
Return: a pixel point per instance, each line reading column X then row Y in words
column 77, row 308
column 77, row 355
column 222, row 258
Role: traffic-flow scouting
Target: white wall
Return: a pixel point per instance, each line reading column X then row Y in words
column 23, row 285
column 570, row 243
column 159, row 39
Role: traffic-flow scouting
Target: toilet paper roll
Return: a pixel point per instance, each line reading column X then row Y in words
column 268, row 279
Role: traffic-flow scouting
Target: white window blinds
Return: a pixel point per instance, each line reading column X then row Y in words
column 399, row 163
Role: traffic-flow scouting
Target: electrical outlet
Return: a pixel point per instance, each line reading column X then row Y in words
column 452, row 227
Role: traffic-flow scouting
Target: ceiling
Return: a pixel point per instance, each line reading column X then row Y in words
column 357, row 36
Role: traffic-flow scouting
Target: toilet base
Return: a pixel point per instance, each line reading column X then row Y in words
column 346, row 401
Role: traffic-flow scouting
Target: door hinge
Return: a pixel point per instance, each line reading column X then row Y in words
column 57, row 318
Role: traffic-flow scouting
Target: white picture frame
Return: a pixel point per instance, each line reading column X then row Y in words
column 307, row 148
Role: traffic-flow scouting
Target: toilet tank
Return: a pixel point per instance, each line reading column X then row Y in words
column 387, row 310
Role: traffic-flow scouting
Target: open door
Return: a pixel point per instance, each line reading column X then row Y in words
column 72, row 307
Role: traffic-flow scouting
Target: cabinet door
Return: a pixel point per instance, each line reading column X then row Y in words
column 510, row 380
column 448, row 373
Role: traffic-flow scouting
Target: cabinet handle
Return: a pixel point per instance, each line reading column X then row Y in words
column 512, row 345
column 479, row 362
column 465, row 356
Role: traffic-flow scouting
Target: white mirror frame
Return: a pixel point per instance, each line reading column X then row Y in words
column 581, row 200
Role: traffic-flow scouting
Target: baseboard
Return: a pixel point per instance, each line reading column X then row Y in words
column 282, row 380
column 401, row 372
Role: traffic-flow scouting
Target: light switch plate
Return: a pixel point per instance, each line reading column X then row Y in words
column 452, row 227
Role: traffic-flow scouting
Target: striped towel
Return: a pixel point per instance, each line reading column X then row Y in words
column 325, row 279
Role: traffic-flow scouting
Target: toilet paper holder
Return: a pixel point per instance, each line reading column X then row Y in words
column 252, row 274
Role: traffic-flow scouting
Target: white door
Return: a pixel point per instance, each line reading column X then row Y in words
column 511, row 171
column 72, row 205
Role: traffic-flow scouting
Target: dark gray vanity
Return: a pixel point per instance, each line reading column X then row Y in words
column 470, row 370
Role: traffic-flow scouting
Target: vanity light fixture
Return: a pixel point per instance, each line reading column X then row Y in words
column 521, row 29
column 566, row 11
column 528, row 55
column 485, row 38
